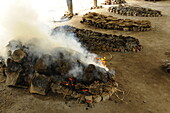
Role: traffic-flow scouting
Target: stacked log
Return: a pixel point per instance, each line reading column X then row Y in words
column 134, row 11
column 110, row 22
column 95, row 41
column 113, row 2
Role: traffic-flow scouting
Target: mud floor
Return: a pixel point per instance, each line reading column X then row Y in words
column 139, row 75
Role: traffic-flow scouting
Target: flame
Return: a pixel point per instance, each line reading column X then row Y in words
column 103, row 60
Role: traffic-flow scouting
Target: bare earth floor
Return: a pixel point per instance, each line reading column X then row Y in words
column 146, row 86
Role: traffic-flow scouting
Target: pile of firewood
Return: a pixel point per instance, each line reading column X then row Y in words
column 98, row 7
column 118, row 2
column 96, row 41
column 113, row 2
column 110, row 22
column 50, row 72
column 134, row 11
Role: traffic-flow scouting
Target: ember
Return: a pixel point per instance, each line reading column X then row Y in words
column 85, row 90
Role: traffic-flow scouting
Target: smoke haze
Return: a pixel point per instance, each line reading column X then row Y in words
column 23, row 22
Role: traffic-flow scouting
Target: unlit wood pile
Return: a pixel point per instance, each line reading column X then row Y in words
column 110, row 22
column 134, row 11
column 113, row 2
column 96, row 41
column 117, row 2
column 98, row 7
column 50, row 72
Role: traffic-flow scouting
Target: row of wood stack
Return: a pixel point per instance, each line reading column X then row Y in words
column 96, row 41
column 110, row 22
column 134, row 11
column 50, row 72
column 113, row 2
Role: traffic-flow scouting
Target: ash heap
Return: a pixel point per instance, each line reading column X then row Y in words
column 62, row 71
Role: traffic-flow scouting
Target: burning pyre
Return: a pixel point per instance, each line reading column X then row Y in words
column 43, row 63
column 63, row 71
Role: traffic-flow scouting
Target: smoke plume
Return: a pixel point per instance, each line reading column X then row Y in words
column 21, row 22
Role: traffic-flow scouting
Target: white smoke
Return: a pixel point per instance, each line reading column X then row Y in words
column 22, row 21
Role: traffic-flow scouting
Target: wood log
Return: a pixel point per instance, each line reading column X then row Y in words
column 12, row 77
column 12, row 72
column 97, row 98
column 40, row 84
column 18, row 55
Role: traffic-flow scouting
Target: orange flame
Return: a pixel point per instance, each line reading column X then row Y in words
column 103, row 60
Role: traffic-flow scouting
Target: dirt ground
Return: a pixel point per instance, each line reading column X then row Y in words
column 146, row 86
